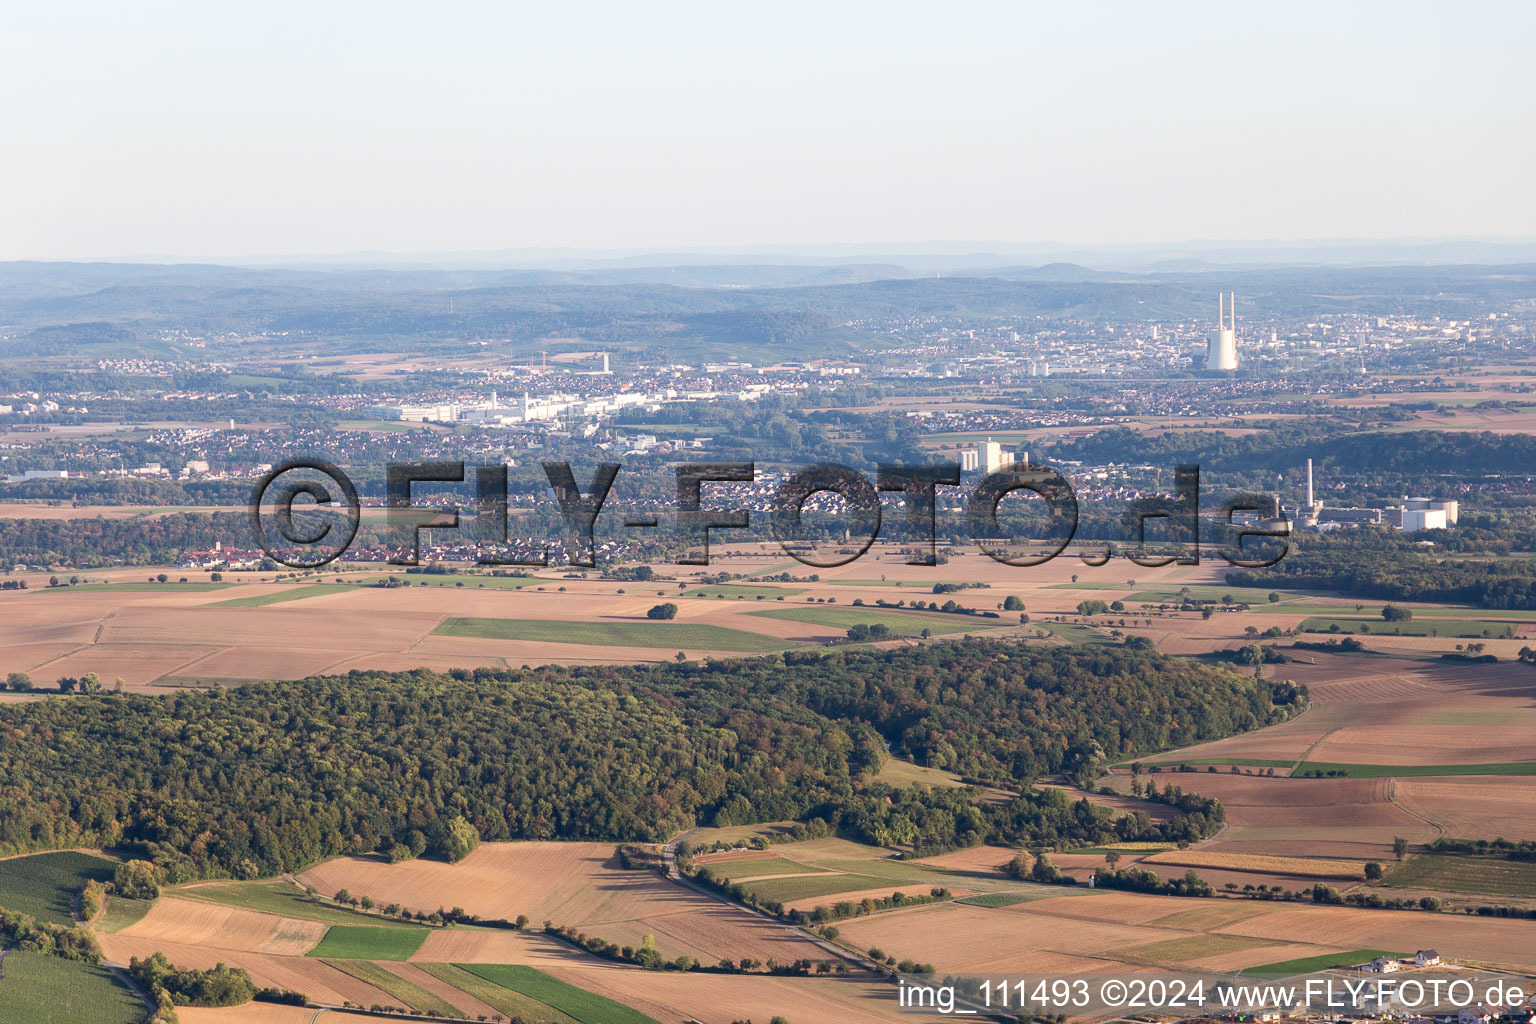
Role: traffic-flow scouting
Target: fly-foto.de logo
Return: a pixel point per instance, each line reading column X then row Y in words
column 288, row 530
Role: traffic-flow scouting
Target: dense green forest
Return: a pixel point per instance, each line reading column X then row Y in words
column 1387, row 566
column 274, row 776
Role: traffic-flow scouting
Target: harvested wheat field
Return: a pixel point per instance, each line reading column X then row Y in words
column 1349, row 819
column 724, row 998
column 1473, row 807
column 1293, row 867
column 1126, row 926
column 574, row 884
column 193, row 922
column 313, row 977
column 954, row 937
column 1433, row 744
column 984, row 859
column 493, row 946
column 266, row 1013
column 1495, row 940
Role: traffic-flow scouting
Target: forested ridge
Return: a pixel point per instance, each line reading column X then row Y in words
column 271, row 777
column 1369, row 563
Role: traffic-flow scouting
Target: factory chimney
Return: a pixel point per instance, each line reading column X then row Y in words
column 1309, row 483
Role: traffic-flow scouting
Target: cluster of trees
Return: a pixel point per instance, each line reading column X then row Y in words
column 218, row 986
column 271, row 777
column 1501, row 847
column 1390, row 567
column 1142, row 880
column 91, row 542
column 25, row 932
column 1037, row 869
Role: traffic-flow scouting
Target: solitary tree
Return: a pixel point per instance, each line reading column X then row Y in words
column 1399, row 847
column 662, row 611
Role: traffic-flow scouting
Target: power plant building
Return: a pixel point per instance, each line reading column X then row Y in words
column 1221, row 350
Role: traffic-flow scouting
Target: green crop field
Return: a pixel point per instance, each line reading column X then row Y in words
column 122, row 912
column 285, row 899
column 1492, row 876
column 1321, row 962
column 1385, row 771
column 1473, row 628
column 277, row 596
column 361, row 942
column 41, row 989
column 787, row 890
column 1078, row 634
column 584, row 1006
column 411, row 996
column 682, row 635
column 758, row 866
column 45, row 884
column 510, row 1002
column 998, row 900
column 741, row 592
column 899, row 623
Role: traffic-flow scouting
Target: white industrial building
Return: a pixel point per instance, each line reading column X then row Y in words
column 1221, row 350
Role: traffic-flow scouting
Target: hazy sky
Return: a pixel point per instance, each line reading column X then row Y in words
column 224, row 130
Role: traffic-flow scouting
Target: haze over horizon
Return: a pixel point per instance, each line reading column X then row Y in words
column 207, row 134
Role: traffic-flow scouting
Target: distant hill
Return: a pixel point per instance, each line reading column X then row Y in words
column 783, row 307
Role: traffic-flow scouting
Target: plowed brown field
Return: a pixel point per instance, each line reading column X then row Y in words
column 574, row 884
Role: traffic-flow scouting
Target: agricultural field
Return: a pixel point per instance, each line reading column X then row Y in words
column 1323, row 962
column 1293, row 867
column 1461, row 628
column 122, row 912
column 743, row 592
column 1480, row 876
column 577, row 1003
column 276, row 595
column 699, row 636
column 407, row 993
column 899, row 623
column 579, row 885
column 361, row 942
column 155, row 636
column 502, row 999
column 1105, row 928
column 283, row 898
column 1425, row 749
column 832, row 870
column 42, row 989
column 193, row 922
column 45, row 885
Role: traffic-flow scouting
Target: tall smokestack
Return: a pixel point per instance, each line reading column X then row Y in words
column 1232, row 309
column 1221, row 311
column 1309, row 483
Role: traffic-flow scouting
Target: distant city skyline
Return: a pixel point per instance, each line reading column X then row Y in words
column 174, row 130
